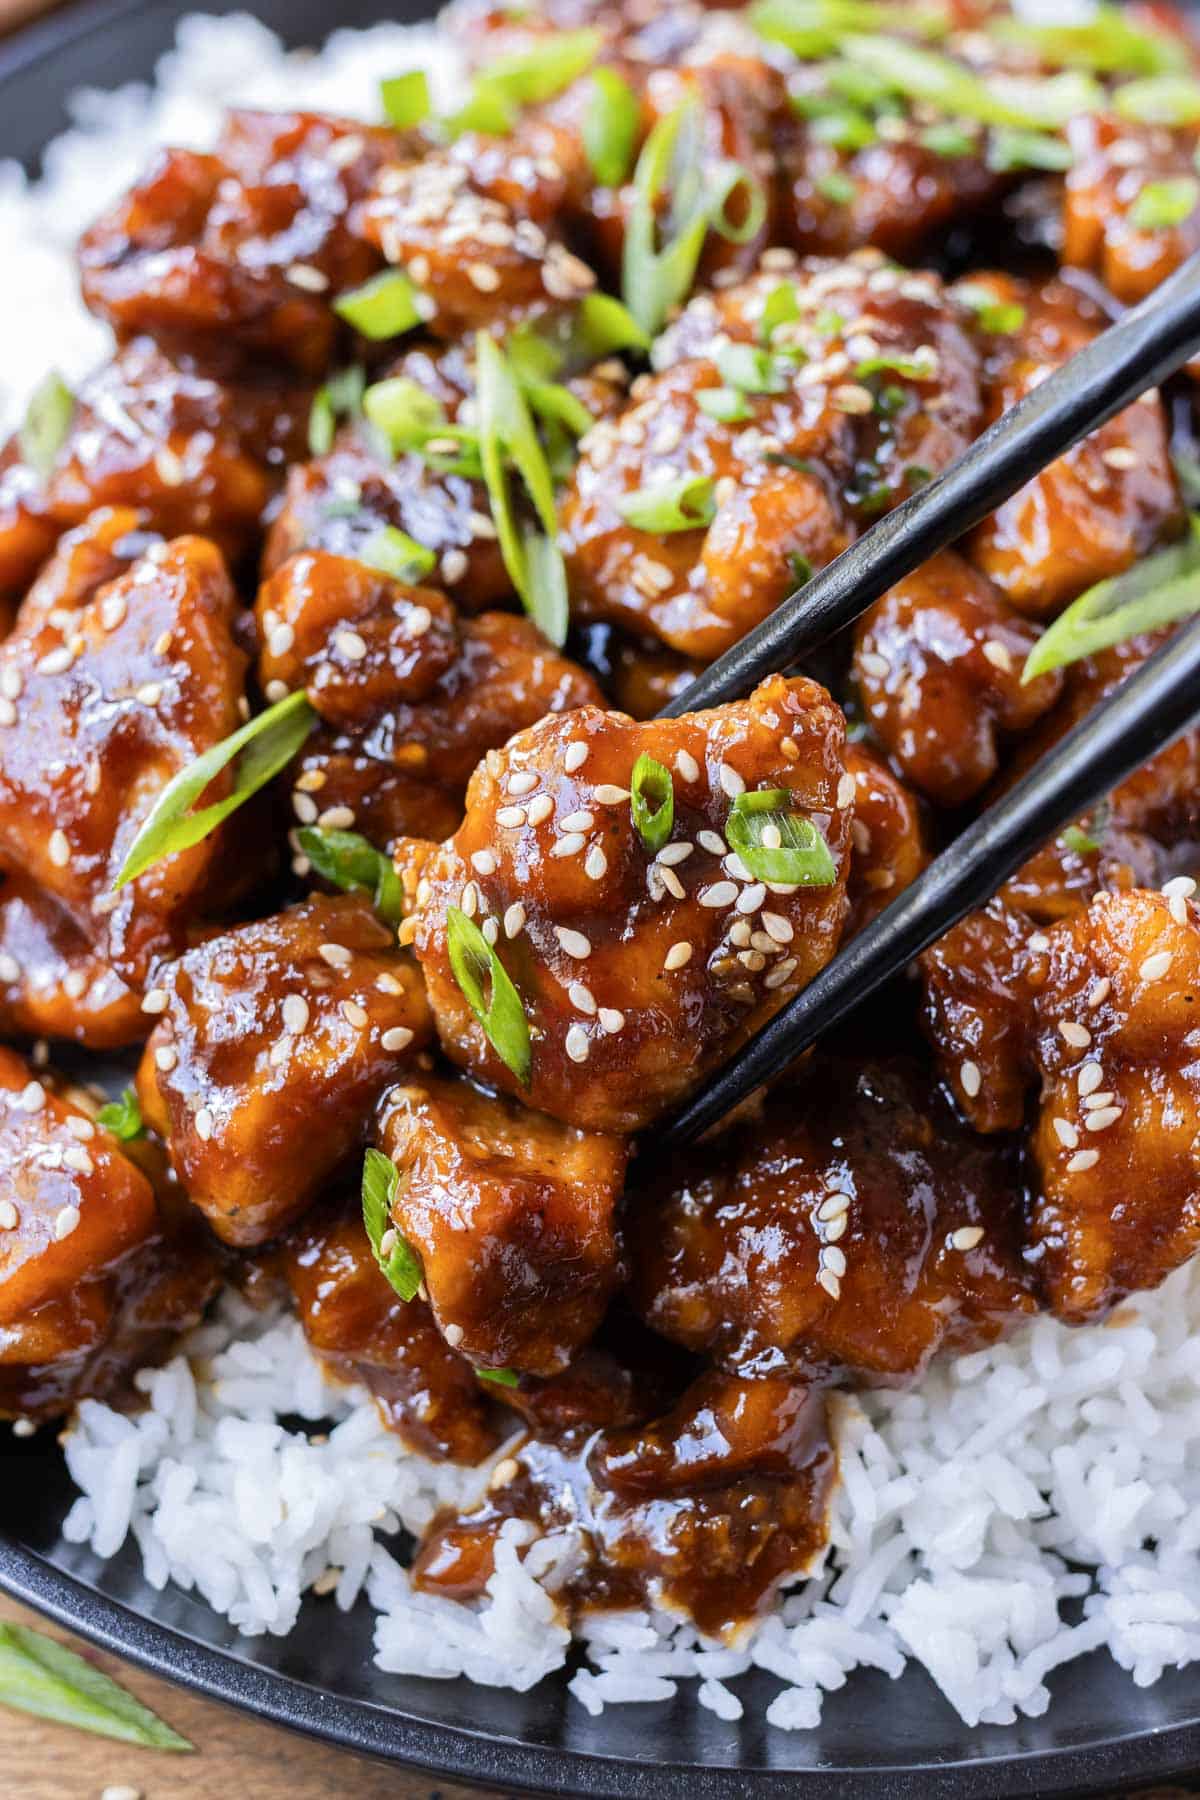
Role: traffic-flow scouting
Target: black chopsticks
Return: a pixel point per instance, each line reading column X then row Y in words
column 1146, row 345
column 1149, row 709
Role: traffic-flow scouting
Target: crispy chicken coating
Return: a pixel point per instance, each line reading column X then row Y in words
column 273, row 1043
column 638, row 970
column 53, row 982
column 512, row 1216
column 1113, row 162
column 887, row 838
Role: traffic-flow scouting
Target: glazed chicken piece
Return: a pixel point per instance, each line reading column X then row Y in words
column 938, row 663
column 1114, row 162
column 102, row 708
column 976, row 1013
column 190, row 453
column 363, row 1330
column 53, row 983
column 853, row 1230
column 1099, row 507
column 886, row 835
column 870, row 387
column 512, row 1216
column 273, row 1044
column 238, row 255
column 706, row 1511
column 637, row 970
column 409, row 697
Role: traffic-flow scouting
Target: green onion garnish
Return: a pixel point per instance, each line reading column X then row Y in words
column 780, row 307
column 947, row 140
column 507, row 433
column 550, row 64
column 501, row 1014
column 685, row 504
column 1154, row 593
column 1172, row 100
column 383, row 307
column 1011, row 149
column 46, row 423
column 751, row 369
column 352, row 863
column 610, row 127
column 726, row 404
column 801, row 567
column 1162, row 204
column 394, row 553
column 270, row 741
column 395, row 1256
column 652, row 802
column 342, row 395
column 405, row 99
column 775, row 844
column 42, row 1677
column 1078, row 840
column 836, row 187
column 815, row 27
column 938, row 81
column 845, row 130
column 991, row 315
column 500, row 1377
column 486, row 111
column 122, row 1117
column 1107, row 43
column 403, row 411
column 912, row 366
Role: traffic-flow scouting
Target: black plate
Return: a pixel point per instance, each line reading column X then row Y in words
column 879, row 1738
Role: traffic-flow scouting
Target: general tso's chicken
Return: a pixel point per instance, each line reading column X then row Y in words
column 363, row 1330
column 1102, row 505
column 638, row 969
column 273, row 1044
column 1111, row 226
column 190, row 452
column 886, row 835
column 705, row 1512
column 53, row 983
column 976, row 1011
column 99, row 709
column 868, row 384
column 512, row 1215
column 938, row 663
column 853, row 1230
column 236, row 256
column 409, row 697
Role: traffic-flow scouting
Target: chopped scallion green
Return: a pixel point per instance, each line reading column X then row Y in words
column 507, row 434
column 610, row 127
column 652, row 802
column 122, row 1117
column 42, row 1677
column 1171, row 100
column 394, row 1254
column 475, row 962
column 1157, row 592
column 403, row 412
column 46, row 423
column 1162, row 204
column 776, row 844
column 726, row 404
column 351, row 862
column 383, row 307
column 406, row 99
column 685, row 504
column 394, row 553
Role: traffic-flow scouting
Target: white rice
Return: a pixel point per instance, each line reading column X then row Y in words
column 1059, row 1471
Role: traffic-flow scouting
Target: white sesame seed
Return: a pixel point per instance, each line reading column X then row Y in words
column 454, row 564
column 10, row 968
column 731, row 781
column 1090, row 1077
column 155, row 1001
column 712, row 842
column 570, row 845
column 1102, row 1118
column 741, row 932
column 970, row 1078
column 595, row 863
column 612, row 1020
column 721, row 893
column 76, row 1157
column 336, row 818
column 573, row 942
column 772, row 838
column 539, row 809
column 468, row 900
column 304, row 807
column 9, row 1216
column 204, row 1123
column 967, row 1237
column 578, row 821
column 165, row 1058
column 778, row 927
column 576, row 1044
column 150, row 693
column 672, row 854
column 1104, row 1098
column 608, row 794
column 55, row 662
column 506, row 1470
column 871, row 663
column 336, row 955
column 687, row 765
column 484, row 862
column 846, row 790
column 835, row 1259
column 399, row 1037
column 454, row 1335
column 780, row 973
column 1039, row 941
column 999, row 655
column 295, row 1014
column 388, row 1241
column 1067, row 1135
column 12, row 681
column 522, row 782
column 751, row 898
column 829, row 1281
column 490, row 929
column 81, row 1128
column 1180, row 887
column 1082, row 1160
column 834, row 1207
column 511, row 817
column 32, row 1097
column 354, row 1014
column 1099, row 991
column 582, row 998
column 678, row 956
column 514, row 920
column 387, row 984
column 8, row 712
column 733, row 865
column 66, row 1221
column 1155, row 967
column 23, row 1428
column 1078, row 1036
column 417, row 621
column 1121, row 456
column 575, row 756
column 282, row 639
column 59, row 849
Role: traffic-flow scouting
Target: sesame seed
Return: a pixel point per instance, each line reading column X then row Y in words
column 388, row 1241
column 573, row 942
column 829, row 1281
column 582, row 998
column 484, row 862
column 1090, row 1077
column 721, row 893
column 399, row 1037
column 55, row 662
column 687, row 765
column 970, row 1079
column 1155, row 967
column 575, row 756
column 595, row 864
column 539, row 809
column 1067, row 1135
column 835, row 1259
column 836, row 1229
column 678, row 956
column 771, row 837
column 608, row 794
column 851, row 397
column 781, row 973
column 387, row 984
column 578, row 821
column 778, row 927
column 576, row 1044
column 32, row 1097
column 1180, row 887
column 454, row 563
column 8, row 712
column 165, row 1058
column 204, row 1123
column 155, row 1001
column 336, row 818
column 1039, row 941
column 77, row 1158
column 9, row 1216
column 672, row 854
column 1102, row 1118
column 731, row 781
column 66, row 1222
column 570, row 845
column 81, row 1128
column 150, row 693
column 1082, row 1160
column 304, row 807
column 612, row 1020
column 336, row 955
column 740, row 932
column 23, row 1428
column 967, row 1237
column 506, row 1470
column 1121, row 456
column 483, row 276
column 312, row 781
column 295, row 1014
column 354, row 1014
column 59, row 849
column 751, row 898
column 468, row 900
column 1078, row 1036
column 490, row 930
column 352, row 646
column 712, row 842
column 303, row 275
column 846, row 789
column 999, row 655
column 282, row 639
column 10, row 968
column 454, row 1335
column 511, row 817
column 874, row 665
column 522, row 782
column 1099, row 991
column 833, row 1207
column 514, row 920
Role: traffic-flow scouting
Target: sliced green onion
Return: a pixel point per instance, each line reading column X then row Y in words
column 937, row 81
column 846, row 130
column 685, row 504
column 1079, row 841
column 122, row 1117
column 948, row 140
column 395, row 1256
column 1154, row 593
column 654, row 280
column 342, row 395
column 46, row 423
column 406, row 99
column 507, row 432
column 383, row 307
column 557, row 405
column 1172, row 100
column 917, row 475
column 750, row 368
column 601, row 325
column 610, row 127
column 42, row 1677
column 726, row 404
column 1108, row 42
column 1010, row 149
column 1050, row 101
column 550, row 64
column 802, row 569
column 912, row 365
column 486, row 111
column 1162, row 204
column 403, row 411
column 728, row 180
column 474, row 961
column 652, row 802
column 500, row 1377
column 781, row 307
column 269, row 742
column 394, row 553
column 997, row 317
column 816, row 27
column 835, row 186
column 352, row 863
column 801, row 856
